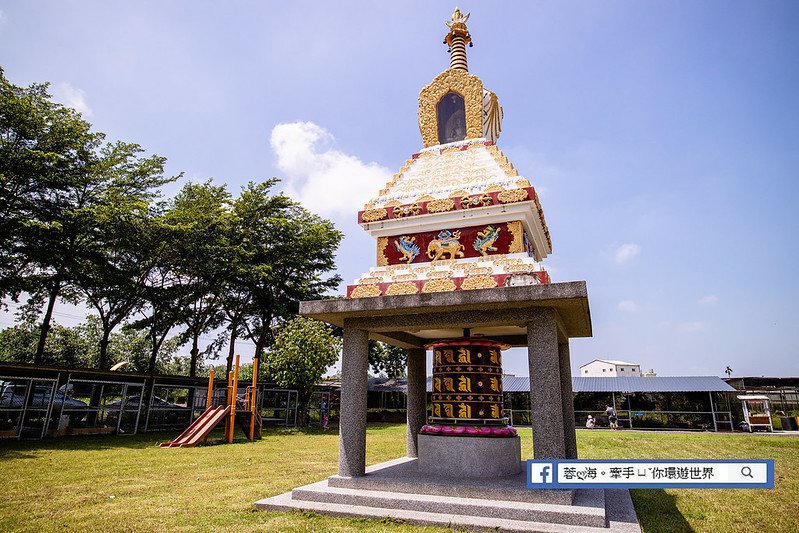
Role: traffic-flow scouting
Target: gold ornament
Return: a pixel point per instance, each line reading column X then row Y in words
column 382, row 244
column 478, row 282
column 517, row 242
column 405, row 287
column 407, row 211
column 452, row 80
column 373, row 215
column 439, row 285
column 513, row 195
column 365, row 291
column 440, row 206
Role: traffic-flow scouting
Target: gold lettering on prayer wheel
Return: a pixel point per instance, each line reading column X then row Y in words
column 467, row 383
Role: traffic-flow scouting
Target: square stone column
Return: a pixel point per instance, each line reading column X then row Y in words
column 546, row 401
column 567, row 395
column 352, row 425
column 416, row 398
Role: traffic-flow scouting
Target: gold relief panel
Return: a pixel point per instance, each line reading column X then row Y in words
column 512, row 195
column 451, row 80
column 439, row 285
column 517, row 244
column 373, row 215
column 478, row 271
column 406, row 287
column 404, row 277
column 523, row 183
column 440, row 206
column 392, row 203
column 382, row 244
column 425, row 198
column 478, row 282
column 494, row 188
column 365, row 291
column 459, row 194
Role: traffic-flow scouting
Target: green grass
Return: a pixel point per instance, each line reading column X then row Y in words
column 129, row 484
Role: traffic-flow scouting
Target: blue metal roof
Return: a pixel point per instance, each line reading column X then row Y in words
column 626, row 384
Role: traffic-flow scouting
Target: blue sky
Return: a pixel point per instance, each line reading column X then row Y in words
column 663, row 137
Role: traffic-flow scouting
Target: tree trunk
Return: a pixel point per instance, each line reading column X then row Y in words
column 195, row 352
column 45, row 327
column 234, row 331
column 103, row 364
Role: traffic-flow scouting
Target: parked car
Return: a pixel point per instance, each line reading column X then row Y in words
column 13, row 397
column 132, row 402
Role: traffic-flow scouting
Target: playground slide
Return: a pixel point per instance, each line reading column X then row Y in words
column 200, row 428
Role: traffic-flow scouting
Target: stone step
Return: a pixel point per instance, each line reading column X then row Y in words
column 620, row 521
column 588, row 508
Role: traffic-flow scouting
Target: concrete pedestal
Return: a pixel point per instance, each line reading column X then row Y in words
column 471, row 457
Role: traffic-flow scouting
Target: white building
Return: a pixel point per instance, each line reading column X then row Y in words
column 610, row 368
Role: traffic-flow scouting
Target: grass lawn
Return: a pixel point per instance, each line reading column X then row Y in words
column 129, row 484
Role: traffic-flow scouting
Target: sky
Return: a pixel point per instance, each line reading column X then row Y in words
column 661, row 136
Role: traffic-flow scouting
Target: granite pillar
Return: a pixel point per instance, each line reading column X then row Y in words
column 416, row 398
column 545, row 385
column 567, row 396
column 352, row 425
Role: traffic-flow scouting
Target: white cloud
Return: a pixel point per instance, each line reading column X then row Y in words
column 625, row 252
column 628, row 306
column 71, row 96
column 691, row 327
column 710, row 299
column 325, row 180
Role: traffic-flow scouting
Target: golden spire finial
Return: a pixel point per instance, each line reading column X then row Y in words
column 457, row 39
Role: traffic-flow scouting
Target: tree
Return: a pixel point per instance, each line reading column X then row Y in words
column 47, row 152
column 303, row 349
column 387, row 360
column 288, row 252
column 113, row 272
column 198, row 217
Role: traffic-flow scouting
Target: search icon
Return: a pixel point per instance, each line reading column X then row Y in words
column 747, row 472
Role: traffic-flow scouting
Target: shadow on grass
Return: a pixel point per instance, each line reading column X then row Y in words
column 658, row 513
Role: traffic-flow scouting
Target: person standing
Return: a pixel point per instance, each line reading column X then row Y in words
column 612, row 418
column 323, row 414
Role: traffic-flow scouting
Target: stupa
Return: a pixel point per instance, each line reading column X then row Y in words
column 457, row 215
column 460, row 237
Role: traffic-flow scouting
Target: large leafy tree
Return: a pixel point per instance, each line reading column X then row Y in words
column 290, row 254
column 199, row 222
column 65, row 195
column 113, row 272
column 304, row 349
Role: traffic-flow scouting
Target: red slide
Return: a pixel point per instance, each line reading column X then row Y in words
column 200, row 428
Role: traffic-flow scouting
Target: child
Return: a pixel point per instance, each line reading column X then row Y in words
column 590, row 423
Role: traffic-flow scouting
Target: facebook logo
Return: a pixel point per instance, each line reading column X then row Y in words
column 539, row 474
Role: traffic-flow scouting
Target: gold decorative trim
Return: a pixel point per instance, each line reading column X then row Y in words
column 365, row 291
column 523, row 183
column 407, row 211
column 404, row 277
column 392, row 203
column 439, row 285
column 382, row 244
column 478, row 271
column 451, row 80
column 513, row 195
column 373, row 215
column 425, row 198
column 369, row 280
column 440, row 206
column 519, row 269
column 482, row 201
column 439, row 274
column 478, row 282
column 517, row 242
column 494, row 188
column 405, row 287
column 459, row 193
